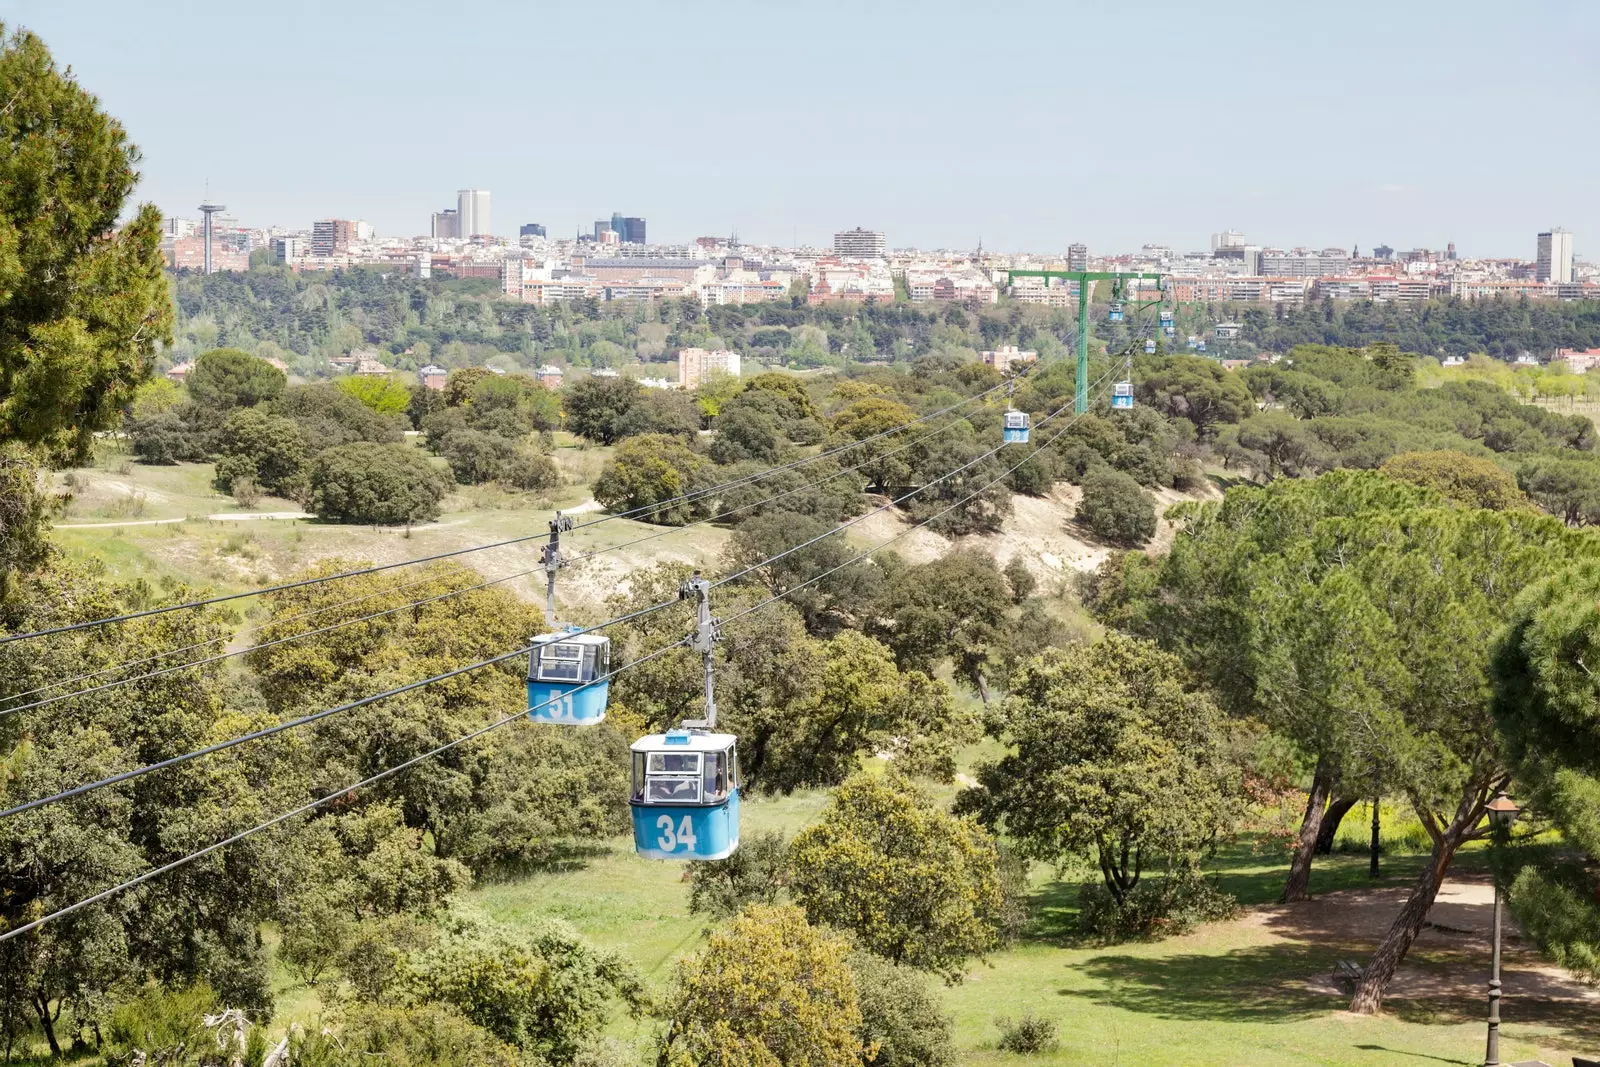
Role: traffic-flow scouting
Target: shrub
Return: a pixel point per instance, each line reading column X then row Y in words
column 245, row 491
column 162, row 438
column 476, row 456
column 371, row 483
column 1028, row 1035
column 420, row 1035
column 1020, row 579
column 1116, row 508
column 900, row 1015
column 1159, row 908
column 754, row 874
column 530, row 471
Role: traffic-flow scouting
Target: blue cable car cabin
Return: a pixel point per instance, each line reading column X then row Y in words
column 1016, row 427
column 685, row 795
column 1122, row 395
column 560, row 668
column 1149, row 346
column 1116, row 311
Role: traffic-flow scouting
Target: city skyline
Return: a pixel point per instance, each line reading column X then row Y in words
column 1026, row 166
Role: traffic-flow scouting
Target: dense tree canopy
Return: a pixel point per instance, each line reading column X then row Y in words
column 83, row 305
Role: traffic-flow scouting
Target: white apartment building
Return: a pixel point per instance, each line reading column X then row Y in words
column 861, row 244
column 1554, row 261
column 696, row 365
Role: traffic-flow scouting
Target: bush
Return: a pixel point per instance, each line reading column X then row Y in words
column 421, row 1035
column 476, row 456
column 245, row 491
column 377, row 484
column 1159, row 908
column 328, row 416
column 900, row 1015
column 158, row 1025
column 162, row 438
column 530, row 471
column 1116, row 508
column 754, row 874
column 1028, row 1036
column 267, row 449
column 1020, row 579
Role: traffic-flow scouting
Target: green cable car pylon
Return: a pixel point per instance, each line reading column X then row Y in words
column 1118, row 280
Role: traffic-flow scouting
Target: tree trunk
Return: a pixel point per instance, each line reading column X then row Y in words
column 41, row 1008
column 1402, row 932
column 1330, row 823
column 1463, row 826
column 1377, row 807
column 1299, row 880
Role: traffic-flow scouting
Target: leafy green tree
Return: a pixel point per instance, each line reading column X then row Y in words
column 83, row 305
column 901, row 1016
column 1020, row 579
column 512, row 405
column 1566, row 487
column 746, row 434
column 24, row 511
column 915, row 884
column 476, row 456
column 226, row 378
column 268, row 449
column 1193, row 388
column 756, row 873
column 375, row 484
column 530, row 470
column 327, row 416
column 769, row 990
column 1470, row 480
column 787, row 386
column 820, row 580
column 1547, row 708
column 460, row 383
column 595, row 406
column 869, row 417
column 1115, row 757
column 1116, row 508
column 164, row 439
column 953, row 607
column 382, row 393
column 650, row 470
column 660, row 411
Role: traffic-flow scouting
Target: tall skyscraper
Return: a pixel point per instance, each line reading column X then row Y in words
column 472, row 212
column 1555, row 257
column 861, row 244
column 209, row 209
column 1227, row 239
column 1077, row 257
column 633, row 230
column 531, row 229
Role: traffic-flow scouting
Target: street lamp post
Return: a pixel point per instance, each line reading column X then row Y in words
column 1502, row 813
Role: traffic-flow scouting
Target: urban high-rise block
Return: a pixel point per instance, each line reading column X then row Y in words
column 472, row 213
column 330, row 237
column 209, row 209
column 1554, row 262
column 1077, row 257
column 531, row 229
column 446, row 224
column 861, row 244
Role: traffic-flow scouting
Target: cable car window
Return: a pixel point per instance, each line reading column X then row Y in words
column 675, row 763
column 716, row 775
column 561, row 663
column 672, row 790
column 638, row 776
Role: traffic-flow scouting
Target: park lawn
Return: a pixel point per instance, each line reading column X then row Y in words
column 1228, row 993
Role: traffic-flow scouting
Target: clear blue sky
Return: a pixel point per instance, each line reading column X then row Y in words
column 1030, row 124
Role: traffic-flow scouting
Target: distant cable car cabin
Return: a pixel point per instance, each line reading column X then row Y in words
column 1149, row 346
column 561, row 667
column 685, row 795
column 1166, row 318
column 1116, row 311
column 1122, row 395
column 1017, row 426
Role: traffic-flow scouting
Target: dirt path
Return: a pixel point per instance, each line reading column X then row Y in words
column 240, row 516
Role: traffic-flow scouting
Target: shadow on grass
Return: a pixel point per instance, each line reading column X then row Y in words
column 1261, row 984
column 561, row 857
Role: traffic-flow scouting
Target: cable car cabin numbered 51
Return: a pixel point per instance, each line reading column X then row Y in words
column 560, row 668
column 1016, row 428
column 685, row 795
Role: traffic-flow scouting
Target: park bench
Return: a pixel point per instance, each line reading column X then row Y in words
column 1347, row 974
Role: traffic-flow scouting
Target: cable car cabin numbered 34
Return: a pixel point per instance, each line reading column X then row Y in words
column 685, row 796
column 560, row 668
column 1016, row 428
